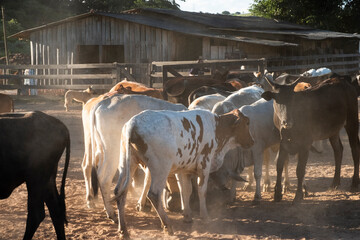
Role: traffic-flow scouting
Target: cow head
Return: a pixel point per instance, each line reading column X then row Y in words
column 236, row 124
column 285, row 109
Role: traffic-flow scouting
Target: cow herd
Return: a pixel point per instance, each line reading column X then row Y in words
column 201, row 132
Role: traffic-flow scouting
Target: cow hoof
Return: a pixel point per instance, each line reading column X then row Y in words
column 187, row 219
column 124, row 235
column 286, row 188
column 255, row 202
column 168, row 230
column 277, row 196
column 249, row 188
column 146, row 208
column 298, row 198
column 113, row 218
column 91, row 204
column 266, row 188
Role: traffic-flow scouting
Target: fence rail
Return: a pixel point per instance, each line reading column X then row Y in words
column 339, row 63
column 106, row 75
column 72, row 76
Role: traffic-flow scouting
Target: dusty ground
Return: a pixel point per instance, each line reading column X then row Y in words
column 323, row 215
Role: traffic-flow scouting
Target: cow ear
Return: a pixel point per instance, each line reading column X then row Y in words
column 241, row 117
column 268, row 95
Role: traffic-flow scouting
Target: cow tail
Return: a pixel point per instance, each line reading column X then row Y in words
column 124, row 163
column 62, row 188
column 93, row 135
column 94, row 181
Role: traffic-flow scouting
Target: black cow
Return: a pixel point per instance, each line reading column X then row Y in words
column 316, row 113
column 31, row 145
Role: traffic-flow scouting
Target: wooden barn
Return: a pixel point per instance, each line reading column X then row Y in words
column 147, row 35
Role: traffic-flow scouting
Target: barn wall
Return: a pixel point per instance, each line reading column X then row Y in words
column 59, row 44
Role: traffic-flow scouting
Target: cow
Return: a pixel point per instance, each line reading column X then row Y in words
column 208, row 90
column 6, row 103
column 151, row 92
column 135, row 86
column 32, row 144
column 265, row 135
column 244, row 96
column 78, row 96
column 178, row 89
column 185, row 143
column 206, row 102
column 316, row 113
column 106, row 121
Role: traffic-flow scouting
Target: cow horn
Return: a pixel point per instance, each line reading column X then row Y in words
column 236, row 177
column 295, row 82
column 271, row 83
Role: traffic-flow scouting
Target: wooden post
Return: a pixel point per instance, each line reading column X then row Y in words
column 4, row 31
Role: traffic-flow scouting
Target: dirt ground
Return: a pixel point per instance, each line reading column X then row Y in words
column 323, row 215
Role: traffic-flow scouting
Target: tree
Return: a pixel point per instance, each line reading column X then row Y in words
column 334, row 15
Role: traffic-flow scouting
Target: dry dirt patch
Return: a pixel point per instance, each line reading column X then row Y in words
column 323, row 215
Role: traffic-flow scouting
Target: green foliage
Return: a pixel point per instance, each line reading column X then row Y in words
column 14, row 45
column 334, row 15
column 225, row 13
column 156, row 4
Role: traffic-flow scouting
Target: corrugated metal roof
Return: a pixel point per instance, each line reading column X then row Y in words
column 209, row 25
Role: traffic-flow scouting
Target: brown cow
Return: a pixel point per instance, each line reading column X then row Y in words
column 316, row 113
column 6, row 103
column 151, row 92
column 135, row 86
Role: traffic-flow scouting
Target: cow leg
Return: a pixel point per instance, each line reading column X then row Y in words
column 249, row 185
column 185, row 186
column 202, row 183
column 158, row 182
column 286, row 187
column 300, row 173
column 258, row 162
column 266, row 187
column 338, row 154
column 56, row 209
column 352, row 129
column 141, row 204
column 280, row 159
column 106, row 173
column 36, row 211
column 87, row 167
column 173, row 202
column 121, row 199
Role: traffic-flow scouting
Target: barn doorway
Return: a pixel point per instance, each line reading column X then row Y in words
column 88, row 54
column 100, row 54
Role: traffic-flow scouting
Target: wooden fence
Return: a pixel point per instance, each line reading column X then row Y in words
column 163, row 71
column 73, row 76
column 104, row 76
column 338, row 63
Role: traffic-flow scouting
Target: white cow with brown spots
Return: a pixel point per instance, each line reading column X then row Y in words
column 184, row 143
column 107, row 119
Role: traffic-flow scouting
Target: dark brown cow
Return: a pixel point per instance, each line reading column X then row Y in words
column 6, row 103
column 31, row 147
column 177, row 90
column 316, row 113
